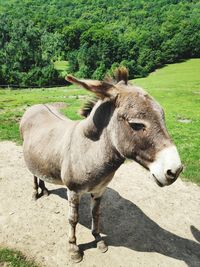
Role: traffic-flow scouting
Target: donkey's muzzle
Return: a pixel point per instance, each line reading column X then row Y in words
column 167, row 166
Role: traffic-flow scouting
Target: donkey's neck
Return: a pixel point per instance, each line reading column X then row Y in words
column 97, row 121
column 90, row 158
column 96, row 129
column 93, row 156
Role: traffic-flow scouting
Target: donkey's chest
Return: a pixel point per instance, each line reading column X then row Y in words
column 100, row 184
column 92, row 178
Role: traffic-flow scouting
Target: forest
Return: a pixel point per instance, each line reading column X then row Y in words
column 93, row 37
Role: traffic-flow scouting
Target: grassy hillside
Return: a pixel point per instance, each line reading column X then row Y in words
column 176, row 87
column 13, row 103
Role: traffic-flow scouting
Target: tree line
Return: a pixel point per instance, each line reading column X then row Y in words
column 94, row 36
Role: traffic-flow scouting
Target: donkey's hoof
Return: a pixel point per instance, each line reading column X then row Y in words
column 35, row 196
column 76, row 256
column 45, row 192
column 101, row 245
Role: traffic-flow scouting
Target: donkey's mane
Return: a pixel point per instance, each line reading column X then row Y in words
column 88, row 106
column 119, row 74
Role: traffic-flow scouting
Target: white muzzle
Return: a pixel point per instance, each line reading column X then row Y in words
column 166, row 167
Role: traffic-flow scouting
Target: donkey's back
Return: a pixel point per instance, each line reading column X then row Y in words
column 44, row 131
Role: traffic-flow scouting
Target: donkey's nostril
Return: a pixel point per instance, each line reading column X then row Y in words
column 174, row 175
column 170, row 174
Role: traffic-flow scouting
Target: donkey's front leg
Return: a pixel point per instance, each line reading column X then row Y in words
column 95, row 207
column 74, row 251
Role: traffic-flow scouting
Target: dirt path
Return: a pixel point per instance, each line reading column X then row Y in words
column 144, row 225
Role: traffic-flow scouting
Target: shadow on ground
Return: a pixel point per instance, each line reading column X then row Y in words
column 126, row 225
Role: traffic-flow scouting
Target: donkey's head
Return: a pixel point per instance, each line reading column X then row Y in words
column 136, row 126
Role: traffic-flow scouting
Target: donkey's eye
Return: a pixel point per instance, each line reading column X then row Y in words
column 137, row 126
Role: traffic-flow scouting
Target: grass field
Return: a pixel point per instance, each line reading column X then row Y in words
column 176, row 87
column 13, row 103
column 12, row 258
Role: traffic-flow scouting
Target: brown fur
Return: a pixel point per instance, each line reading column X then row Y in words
column 88, row 106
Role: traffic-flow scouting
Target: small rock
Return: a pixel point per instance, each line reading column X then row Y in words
column 56, row 212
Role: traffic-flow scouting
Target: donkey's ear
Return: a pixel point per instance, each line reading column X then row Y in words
column 100, row 88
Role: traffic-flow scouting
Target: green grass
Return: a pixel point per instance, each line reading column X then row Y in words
column 14, row 258
column 177, row 89
column 13, row 103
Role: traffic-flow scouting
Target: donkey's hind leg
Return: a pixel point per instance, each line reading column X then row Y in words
column 44, row 190
column 95, row 207
column 35, row 187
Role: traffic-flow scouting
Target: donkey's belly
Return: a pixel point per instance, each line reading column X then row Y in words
column 43, row 160
column 49, row 179
column 47, row 172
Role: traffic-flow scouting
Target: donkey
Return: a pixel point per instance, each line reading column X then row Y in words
column 125, row 122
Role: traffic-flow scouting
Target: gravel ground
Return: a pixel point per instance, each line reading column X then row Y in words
column 143, row 225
